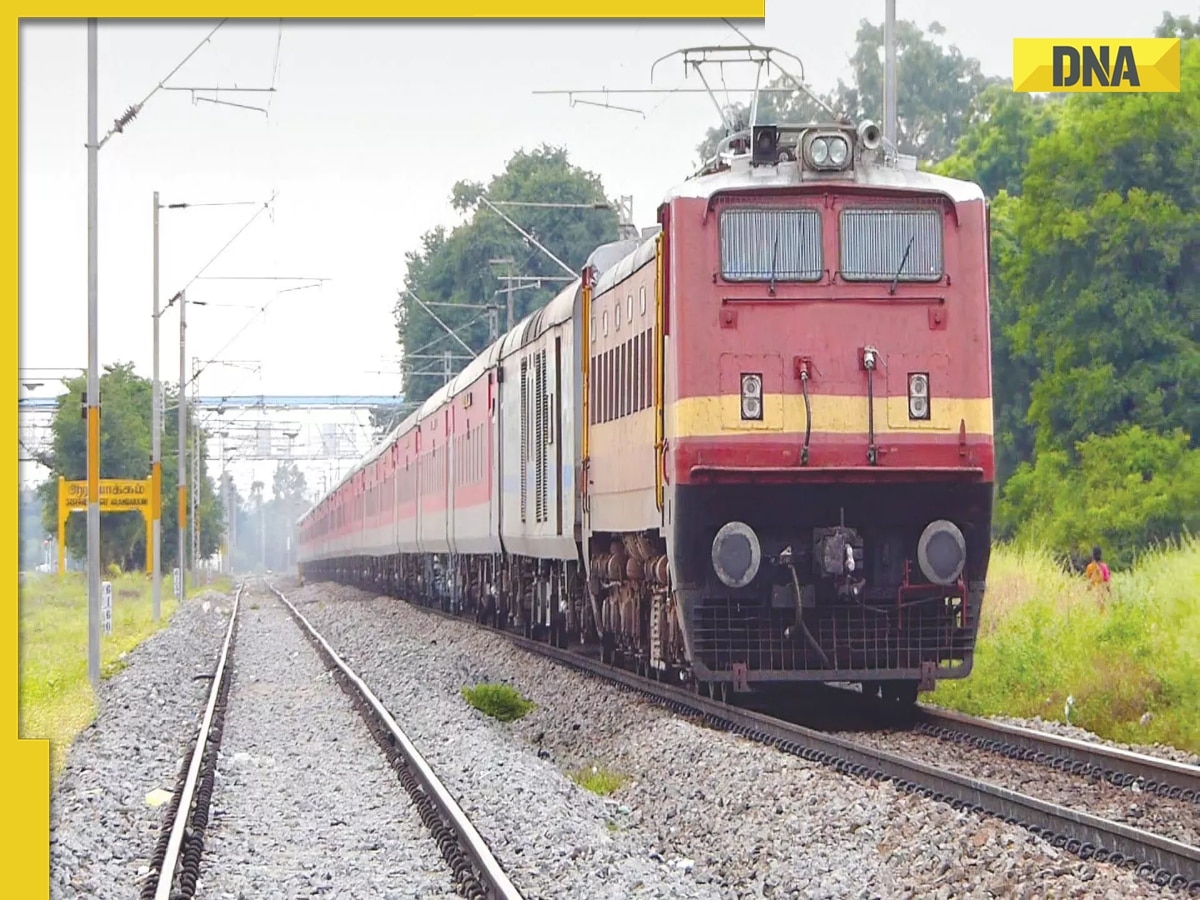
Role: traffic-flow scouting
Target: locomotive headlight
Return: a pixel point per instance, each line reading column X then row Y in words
column 819, row 151
column 942, row 552
column 918, row 395
column 752, row 399
column 828, row 151
column 736, row 554
column 837, row 151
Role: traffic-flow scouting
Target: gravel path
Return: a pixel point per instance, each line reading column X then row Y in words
column 1175, row 819
column 702, row 813
column 305, row 803
column 102, row 829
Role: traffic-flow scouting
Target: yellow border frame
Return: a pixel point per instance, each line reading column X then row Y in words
column 25, row 764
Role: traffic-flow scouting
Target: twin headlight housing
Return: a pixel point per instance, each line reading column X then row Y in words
column 918, row 395
column 827, row 151
column 752, row 396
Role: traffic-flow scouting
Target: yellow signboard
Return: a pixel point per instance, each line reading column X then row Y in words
column 116, row 495
column 1096, row 66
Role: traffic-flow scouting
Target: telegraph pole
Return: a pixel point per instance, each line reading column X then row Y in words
column 93, row 379
column 156, row 445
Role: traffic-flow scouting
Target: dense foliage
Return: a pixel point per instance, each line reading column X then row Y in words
column 453, row 270
column 1095, row 309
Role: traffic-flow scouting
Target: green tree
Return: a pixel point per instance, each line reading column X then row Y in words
column 1178, row 26
column 1124, row 491
column 452, row 267
column 124, row 453
column 935, row 88
column 1002, row 127
column 1106, row 277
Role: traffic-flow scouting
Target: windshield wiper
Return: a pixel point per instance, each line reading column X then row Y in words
column 900, row 268
column 774, row 259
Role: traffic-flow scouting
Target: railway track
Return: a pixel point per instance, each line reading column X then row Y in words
column 176, row 863
column 1162, row 860
column 1119, row 767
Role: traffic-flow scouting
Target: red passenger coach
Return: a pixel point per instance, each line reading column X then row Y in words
column 748, row 449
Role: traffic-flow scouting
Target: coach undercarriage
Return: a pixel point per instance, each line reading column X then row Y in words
column 766, row 586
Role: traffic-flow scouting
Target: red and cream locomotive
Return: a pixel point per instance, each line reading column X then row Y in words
column 751, row 448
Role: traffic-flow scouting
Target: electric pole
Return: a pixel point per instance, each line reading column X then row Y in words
column 156, row 446
column 510, row 295
column 889, row 72
column 93, row 379
column 182, row 467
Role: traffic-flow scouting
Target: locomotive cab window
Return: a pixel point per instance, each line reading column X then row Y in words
column 880, row 244
column 771, row 245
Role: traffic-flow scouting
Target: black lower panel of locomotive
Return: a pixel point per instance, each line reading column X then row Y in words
column 881, row 620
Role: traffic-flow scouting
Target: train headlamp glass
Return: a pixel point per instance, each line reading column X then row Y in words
column 828, row 151
column 918, row 395
column 819, row 151
column 752, row 406
column 837, row 151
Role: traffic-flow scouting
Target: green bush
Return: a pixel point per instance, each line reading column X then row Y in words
column 1128, row 492
column 1129, row 667
column 500, row 701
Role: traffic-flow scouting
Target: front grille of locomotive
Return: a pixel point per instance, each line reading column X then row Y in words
column 852, row 637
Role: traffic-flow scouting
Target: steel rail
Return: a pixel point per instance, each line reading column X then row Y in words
column 1162, row 860
column 493, row 877
column 166, row 872
column 1117, row 765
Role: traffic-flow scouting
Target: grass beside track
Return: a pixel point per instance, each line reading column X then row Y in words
column 56, row 700
column 1128, row 671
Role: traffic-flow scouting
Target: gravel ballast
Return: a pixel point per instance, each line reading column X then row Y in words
column 305, row 803
column 1178, row 820
column 727, row 814
column 102, row 829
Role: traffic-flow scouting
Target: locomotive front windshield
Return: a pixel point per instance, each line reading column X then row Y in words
column 876, row 243
column 771, row 245
column 882, row 244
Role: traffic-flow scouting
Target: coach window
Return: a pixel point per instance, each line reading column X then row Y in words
column 766, row 244
column 620, row 380
column 629, row 307
column 617, row 315
column 886, row 244
column 606, row 323
column 608, row 385
column 642, row 295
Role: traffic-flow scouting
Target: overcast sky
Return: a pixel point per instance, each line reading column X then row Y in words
column 369, row 127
